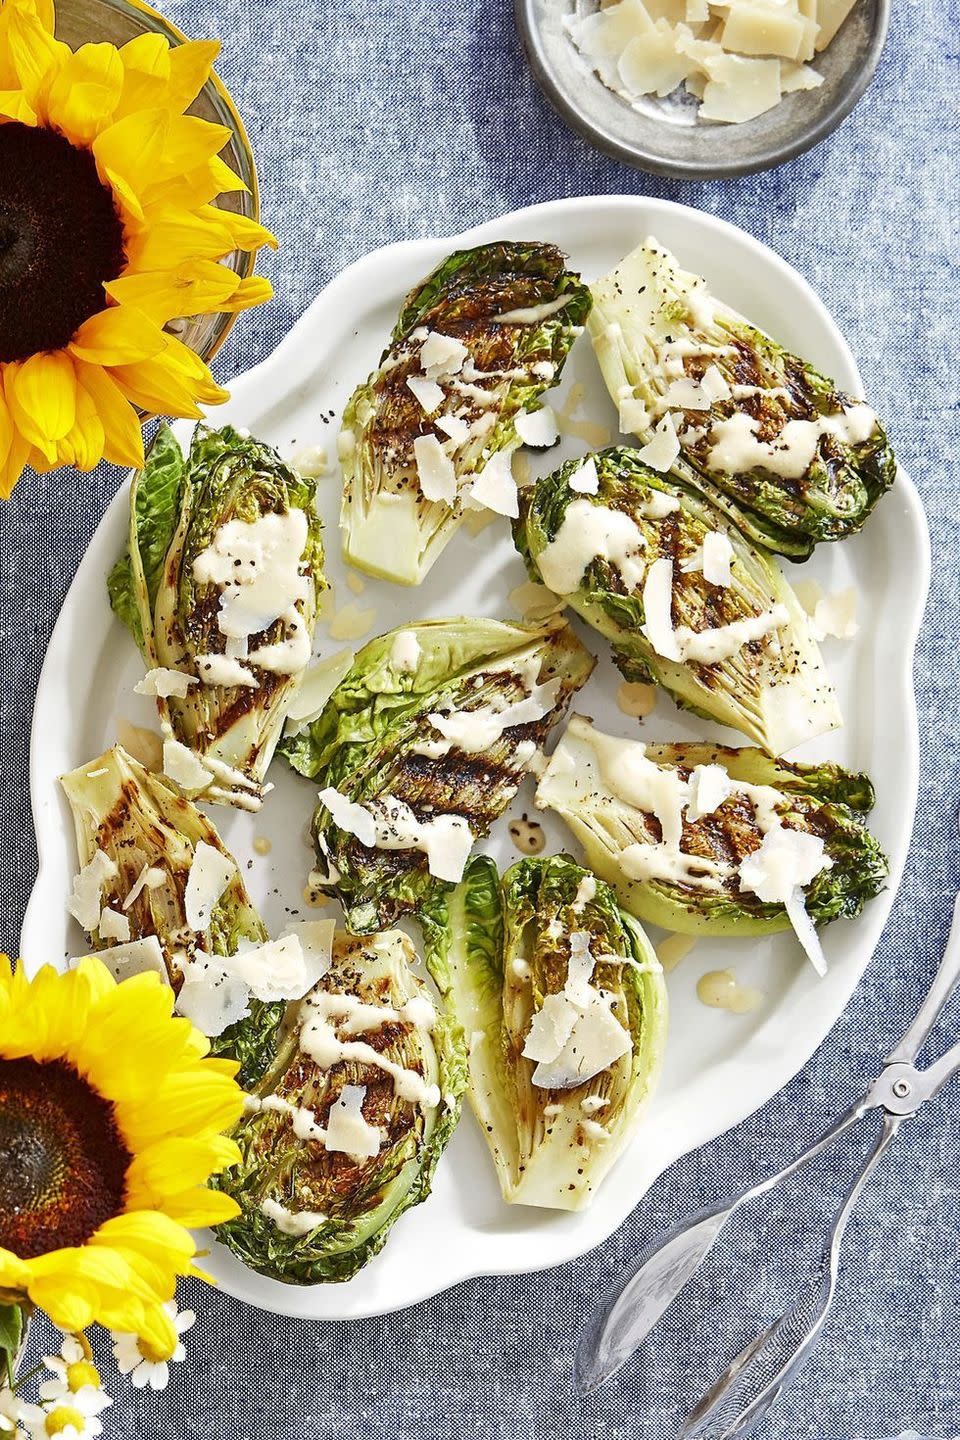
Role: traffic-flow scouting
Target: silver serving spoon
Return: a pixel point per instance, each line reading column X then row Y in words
column 632, row 1307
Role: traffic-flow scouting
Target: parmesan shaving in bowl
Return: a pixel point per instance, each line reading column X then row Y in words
column 738, row 58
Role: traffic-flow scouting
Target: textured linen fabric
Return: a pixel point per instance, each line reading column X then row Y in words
column 377, row 122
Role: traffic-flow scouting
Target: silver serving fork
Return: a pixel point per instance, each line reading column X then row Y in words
column 743, row 1394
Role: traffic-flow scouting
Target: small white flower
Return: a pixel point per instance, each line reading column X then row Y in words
column 135, row 1360
column 11, row 1412
column 76, row 1380
column 60, row 1422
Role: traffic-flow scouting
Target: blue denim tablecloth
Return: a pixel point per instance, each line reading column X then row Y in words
column 378, row 121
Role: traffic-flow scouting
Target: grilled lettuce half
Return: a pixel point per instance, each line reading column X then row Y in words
column 310, row 1214
column 762, row 434
column 602, row 551
column 141, row 821
column 516, row 310
column 376, row 744
column 583, row 784
column 178, row 504
column 498, row 950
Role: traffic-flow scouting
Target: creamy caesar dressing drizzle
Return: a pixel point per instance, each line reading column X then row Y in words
column 736, row 446
column 256, row 567
column 785, row 859
column 532, row 314
column 323, row 1014
column 703, row 647
column 473, row 731
column 291, row 1222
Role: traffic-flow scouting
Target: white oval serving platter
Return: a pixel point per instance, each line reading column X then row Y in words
column 719, row 1067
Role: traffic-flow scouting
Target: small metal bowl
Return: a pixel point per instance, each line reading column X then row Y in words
column 117, row 21
column 663, row 136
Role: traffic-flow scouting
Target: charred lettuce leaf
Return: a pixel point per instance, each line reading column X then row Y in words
column 311, row 1213
column 502, row 953
column 591, row 783
column 762, row 434
column 630, row 558
column 419, row 730
column 236, row 689
column 496, row 322
column 140, row 822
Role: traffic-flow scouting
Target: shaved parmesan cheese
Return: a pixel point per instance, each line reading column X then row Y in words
column 660, row 452
column 574, row 1035
column 438, row 479
column 537, row 427
column 210, row 998
column 164, row 682
column 210, row 873
column 717, row 554
column 347, row 1131
column 277, row 969
column 150, row 878
column 184, row 768
column 740, row 89
column 442, row 355
column 830, row 16
column 738, row 57
column 798, row 77
column 354, row 819
column 650, row 64
column 686, row 394
column 84, row 903
column 113, row 926
column 805, row 930
column 137, row 958
column 658, row 610
column 784, row 860
column 585, row 479
column 710, row 786
column 224, row 670
column 316, row 686
column 632, row 414
column 427, row 392
column 495, row 486
column 714, row 385
column 453, row 426
column 757, row 29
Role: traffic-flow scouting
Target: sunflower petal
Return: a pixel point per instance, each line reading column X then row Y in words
column 198, row 287
column 118, row 335
column 198, row 1209
column 35, row 56
column 123, row 436
column 191, row 65
column 82, row 98
column 14, row 450
column 13, row 106
column 42, row 395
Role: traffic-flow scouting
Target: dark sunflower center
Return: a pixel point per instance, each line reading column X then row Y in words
column 62, row 1161
column 60, row 239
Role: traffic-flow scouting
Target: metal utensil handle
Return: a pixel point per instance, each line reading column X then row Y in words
column 944, row 984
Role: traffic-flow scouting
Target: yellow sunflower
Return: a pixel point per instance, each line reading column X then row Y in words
column 111, row 1115
column 107, row 231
